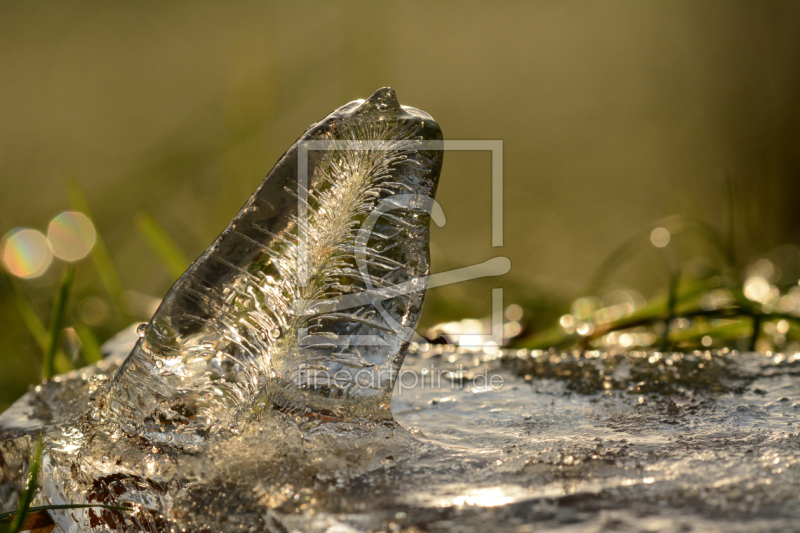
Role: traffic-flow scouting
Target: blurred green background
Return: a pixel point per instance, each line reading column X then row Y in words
column 613, row 115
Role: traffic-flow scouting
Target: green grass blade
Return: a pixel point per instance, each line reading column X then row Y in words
column 756, row 332
column 90, row 348
column 162, row 244
column 685, row 301
column 101, row 257
column 640, row 241
column 28, row 492
column 11, row 514
column 57, row 319
column 671, row 302
column 28, row 313
column 724, row 330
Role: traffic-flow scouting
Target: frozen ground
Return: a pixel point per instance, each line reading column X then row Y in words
column 713, row 446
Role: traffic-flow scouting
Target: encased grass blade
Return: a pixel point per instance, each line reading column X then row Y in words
column 31, row 486
column 11, row 514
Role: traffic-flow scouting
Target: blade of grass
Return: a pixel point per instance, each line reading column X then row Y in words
column 28, row 492
column 685, row 296
column 162, row 244
column 723, row 329
column 640, row 241
column 35, row 325
column 794, row 330
column 17, row 517
column 673, row 299
column 28, row 313
column 730, row 218
column 33, row 509
column 101, row 257
column 57, row 319
column 756, row 332
column 90, row 348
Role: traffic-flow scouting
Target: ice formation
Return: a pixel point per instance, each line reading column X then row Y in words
column 258, row 321
column 301, row 310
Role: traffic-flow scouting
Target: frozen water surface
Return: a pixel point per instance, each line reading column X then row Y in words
column 537, row 452
column 264, row 394
column 532, row 454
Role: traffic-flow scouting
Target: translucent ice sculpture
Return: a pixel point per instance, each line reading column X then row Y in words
column 308, row 299
column 298, row 314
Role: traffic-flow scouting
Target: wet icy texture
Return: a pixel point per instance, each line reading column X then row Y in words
column 531, row 455
column 537, row 452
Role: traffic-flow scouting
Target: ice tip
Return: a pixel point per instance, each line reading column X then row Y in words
column 384, row 99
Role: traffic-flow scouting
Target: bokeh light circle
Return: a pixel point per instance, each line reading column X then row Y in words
column 26, row 253
column 660, row 237
column 71, row 235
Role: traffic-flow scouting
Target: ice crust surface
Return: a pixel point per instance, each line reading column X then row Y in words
column 543, row 452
